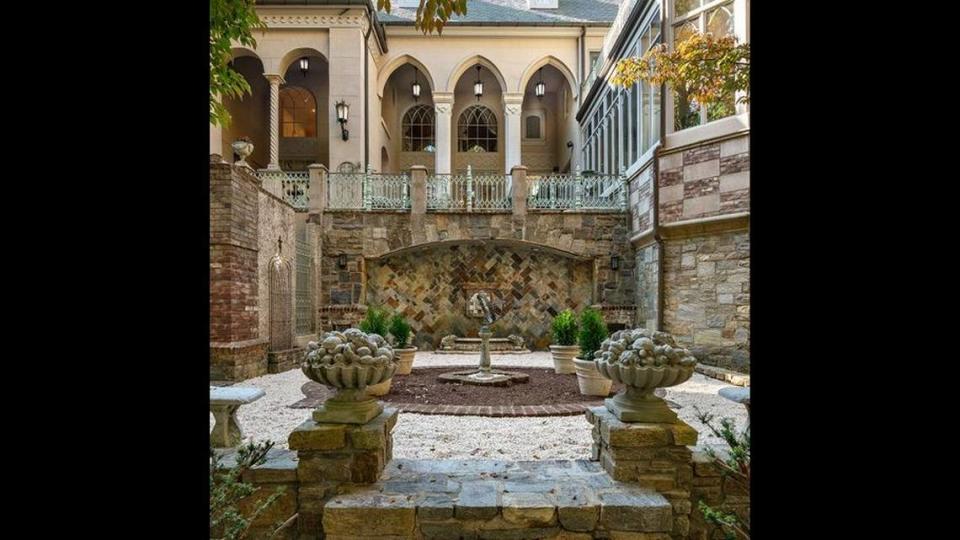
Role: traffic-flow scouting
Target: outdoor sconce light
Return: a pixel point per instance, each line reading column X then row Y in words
column 342, row 261
column 540, row 88
column 415, row 87
column 304, row 66
column 343, row 112
column 614, row 262
column 478, row 86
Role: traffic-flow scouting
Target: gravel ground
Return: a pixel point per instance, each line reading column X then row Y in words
column 419, row 436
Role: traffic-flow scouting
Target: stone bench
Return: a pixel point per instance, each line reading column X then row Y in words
column 480, row 499
column 224, row 403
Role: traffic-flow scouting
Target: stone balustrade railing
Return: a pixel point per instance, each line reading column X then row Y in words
column 317, row 190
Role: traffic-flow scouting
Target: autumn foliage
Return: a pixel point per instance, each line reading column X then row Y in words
column 704, row 67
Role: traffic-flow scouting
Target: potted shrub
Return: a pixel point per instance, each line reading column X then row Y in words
column 400, row 330
column 564, row 347
column 375, row 322
column 592, row 333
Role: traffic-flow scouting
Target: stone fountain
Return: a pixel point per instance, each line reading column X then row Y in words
column 479, row 307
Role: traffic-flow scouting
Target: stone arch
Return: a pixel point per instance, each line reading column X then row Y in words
column 293, row 55
column 396, row 64
column 238, row 52
column 468, row 63
column 510, row 242
column 552, row 61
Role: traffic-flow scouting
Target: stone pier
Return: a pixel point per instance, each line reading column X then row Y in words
column 652, row 456
column 334, row 457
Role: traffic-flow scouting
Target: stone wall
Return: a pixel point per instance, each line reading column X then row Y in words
column 275, row 220
column 707, row 296
column 648, row 283
column 431, row 287
column 720, row 492
column 641, row 201
column 706, row 180
column 365, row 236
column 653, row 456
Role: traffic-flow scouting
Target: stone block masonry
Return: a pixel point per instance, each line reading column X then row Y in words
column 723, row 492
column 653, row 456
column 333, row 457
column 707, row 180
column 707, row 296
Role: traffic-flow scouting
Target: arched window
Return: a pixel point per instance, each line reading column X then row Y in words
column 298, row 112
column 477, row 130
column 417, row 128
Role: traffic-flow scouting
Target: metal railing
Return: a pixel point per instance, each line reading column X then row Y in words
column 465, row 192
column 468, row 192
column 577, row 191
column 344, row 191
column 387, row 191
column 293, row 185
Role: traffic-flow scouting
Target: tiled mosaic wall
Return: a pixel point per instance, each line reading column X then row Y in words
column 431, row 288
column 704, row 181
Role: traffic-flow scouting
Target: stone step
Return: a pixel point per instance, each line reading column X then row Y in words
column 483, row 499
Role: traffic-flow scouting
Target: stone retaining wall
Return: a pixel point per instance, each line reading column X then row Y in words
column 707, row 296
column 720, row 492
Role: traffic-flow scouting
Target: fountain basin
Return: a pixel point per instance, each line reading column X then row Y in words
column 494, row 377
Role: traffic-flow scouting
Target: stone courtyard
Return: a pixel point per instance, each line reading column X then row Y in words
column 419, row 436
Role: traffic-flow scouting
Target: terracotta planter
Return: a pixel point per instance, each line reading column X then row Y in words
column 406, row 360
column 590, row 381
column 563, row 356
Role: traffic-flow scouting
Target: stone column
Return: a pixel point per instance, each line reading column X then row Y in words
column 418, row 202
column 653, row 456
column 317, row 193
column 216, row 144
column 330, row 455
column 519, row 194
column 275, row 81
column 443, row 109
column 512, row 104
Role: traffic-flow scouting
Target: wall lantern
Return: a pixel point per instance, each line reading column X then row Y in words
column 342, row 261
column 540, row 88
column 304, row 66
column 415, row 87
column 614, row 262
column 343, row 113
column 478, row 86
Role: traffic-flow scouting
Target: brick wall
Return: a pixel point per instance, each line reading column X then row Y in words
column 233, row 254
column 707, row 296
column 704, row 181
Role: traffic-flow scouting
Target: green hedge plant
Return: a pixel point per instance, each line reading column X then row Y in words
column 400, row 330
column 592, row 333
column 375, row 322
column 565, row 327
